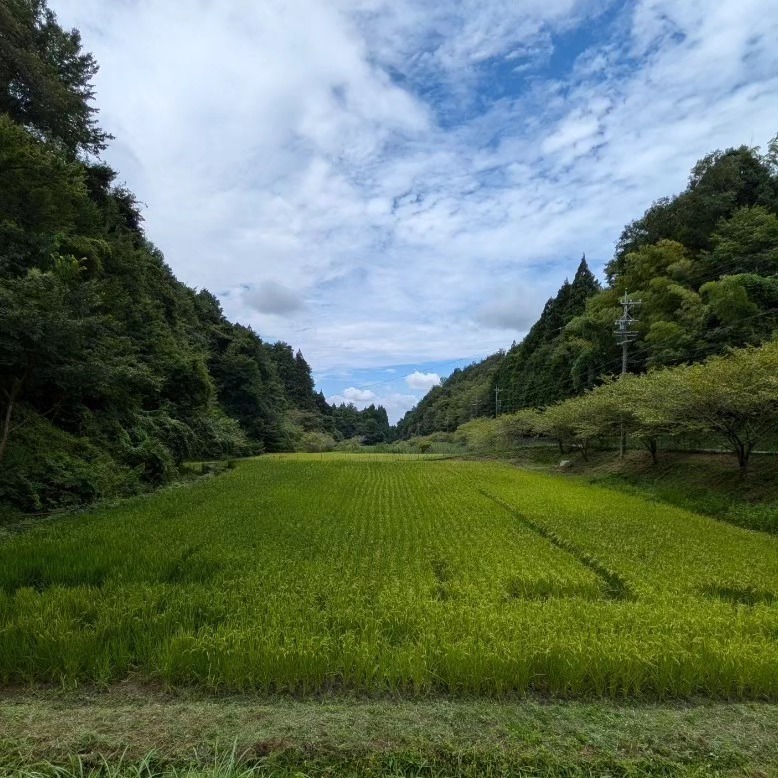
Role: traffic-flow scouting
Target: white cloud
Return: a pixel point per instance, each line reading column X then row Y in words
column 576, row 132
column 422, row 381
column 356, row 151
column 273, row 298
column 395, row 403
column 352, row 394
column 513, row 309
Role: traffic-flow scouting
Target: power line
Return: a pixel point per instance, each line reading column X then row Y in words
column 626, row 336
column 604, row 368
column 647, row 348
column 706, row 347
column 437, row 365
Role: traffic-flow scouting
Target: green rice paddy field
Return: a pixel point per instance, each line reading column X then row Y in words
column 306, row 574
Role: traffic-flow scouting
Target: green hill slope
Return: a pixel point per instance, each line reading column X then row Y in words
column 111, row 371
column 464, row 395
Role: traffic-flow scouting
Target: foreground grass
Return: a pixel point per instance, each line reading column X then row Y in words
column 132, row 730
column 442, row 590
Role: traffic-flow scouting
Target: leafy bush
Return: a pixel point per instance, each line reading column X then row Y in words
column 349, row 445
column 315, row 442
column 49, row 468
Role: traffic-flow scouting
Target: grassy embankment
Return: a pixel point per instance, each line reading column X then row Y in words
column 708, row 483
column 133, row 731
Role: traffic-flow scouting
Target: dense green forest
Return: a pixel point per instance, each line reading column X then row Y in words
column 112, row 372
column 466, row 394
column 704, row 265
column 370, row 425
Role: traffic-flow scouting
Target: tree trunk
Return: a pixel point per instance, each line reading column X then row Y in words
column 561, row 448
column 585, row 450
column 743, row 455
column 12, row 395
column 651, row 444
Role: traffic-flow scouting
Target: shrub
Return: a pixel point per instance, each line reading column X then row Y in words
column 315, row 442
column 48, row 468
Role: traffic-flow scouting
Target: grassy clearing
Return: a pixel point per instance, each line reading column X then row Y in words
column 704, row 483
column 394, row 576
column 707, row 483
column 136, row 731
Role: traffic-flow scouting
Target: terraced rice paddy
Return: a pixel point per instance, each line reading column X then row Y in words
column 305, row 574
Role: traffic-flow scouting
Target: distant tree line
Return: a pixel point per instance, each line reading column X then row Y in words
column 370, row 425
column 112, row 372
column 347, row 428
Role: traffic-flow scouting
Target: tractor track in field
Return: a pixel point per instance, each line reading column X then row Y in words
column 616, row 588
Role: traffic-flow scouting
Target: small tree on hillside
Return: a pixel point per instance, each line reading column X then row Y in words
column 562, row 422
column 733, row 396
column 626, row 404
column 479, row 435
column 513, row 427
column 599, row 413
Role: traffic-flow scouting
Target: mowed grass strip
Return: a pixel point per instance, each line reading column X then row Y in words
column 393, row 575
column 136, row 732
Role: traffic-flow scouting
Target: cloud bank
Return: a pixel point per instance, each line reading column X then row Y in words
column 395, row 182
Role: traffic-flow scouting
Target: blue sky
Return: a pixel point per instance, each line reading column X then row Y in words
column 399, row 185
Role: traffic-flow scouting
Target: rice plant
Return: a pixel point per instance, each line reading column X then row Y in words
column 394, row 575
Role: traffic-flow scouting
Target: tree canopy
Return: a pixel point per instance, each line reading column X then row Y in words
column 46, row 78
column 731, row 398
column 112, row 372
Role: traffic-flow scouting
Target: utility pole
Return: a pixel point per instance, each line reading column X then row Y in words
column 497, row 402
column 623, row 331
column 626, row 336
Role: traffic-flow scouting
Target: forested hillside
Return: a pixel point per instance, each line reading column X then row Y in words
column 112, row 372
column 704, row 265
column 538, row 370
column 466, row 394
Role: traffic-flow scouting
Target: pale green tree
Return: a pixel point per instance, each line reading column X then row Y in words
column 562, row 422
column 734, row 397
